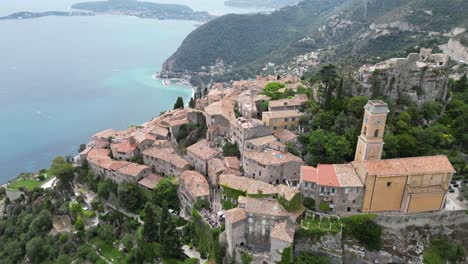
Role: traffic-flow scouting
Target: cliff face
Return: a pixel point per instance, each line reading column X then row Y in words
column 418, row 78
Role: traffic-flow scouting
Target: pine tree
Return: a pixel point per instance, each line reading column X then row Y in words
column 179, row 103
column 150, row 228
column 192, row 103
column 339, row 89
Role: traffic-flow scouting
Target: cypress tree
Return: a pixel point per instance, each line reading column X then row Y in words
column 169, row 236
column 192, row 103
column 179, row 103
column 150, row 228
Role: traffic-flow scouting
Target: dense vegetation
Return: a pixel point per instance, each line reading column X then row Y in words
column 441, row 251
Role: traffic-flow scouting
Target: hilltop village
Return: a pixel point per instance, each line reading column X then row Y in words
column 229, row 154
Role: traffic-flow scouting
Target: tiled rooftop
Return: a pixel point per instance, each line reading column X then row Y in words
column 195, row 183
column 133, row 169
column 267, row 207
column 271, row 157
column 333, row 175
column 296, row 101
column 203, row 150
column 284, row 135
column 166, row 154
column 235, row 215
column 281, row 114
column 407, row 166
column 150, row 181
column 124, row 146
column 283, row 231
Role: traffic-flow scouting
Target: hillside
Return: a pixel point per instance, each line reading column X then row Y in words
column 350, row 32
column 260, row 3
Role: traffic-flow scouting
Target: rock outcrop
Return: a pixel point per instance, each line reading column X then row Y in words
column 418, row 78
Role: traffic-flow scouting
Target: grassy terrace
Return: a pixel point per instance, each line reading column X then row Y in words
column 29, row 181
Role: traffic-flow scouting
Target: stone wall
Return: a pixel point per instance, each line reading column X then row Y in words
column 424, row 219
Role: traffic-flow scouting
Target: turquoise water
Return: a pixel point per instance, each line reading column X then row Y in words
column 62, row 79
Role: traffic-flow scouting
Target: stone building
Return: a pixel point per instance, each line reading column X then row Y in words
column 243, row 129
column 165, row 161
column 249, row 103
column 337, row 186
column 198, row 155
column 407, row 185
column 298, row 102
column 284, row 136
column 259, row 226
column 287, row 119
column 272, row 166
column 219, row 115
column 193, row 188
column 261, row 143
column 123, row 150
column 216, row 167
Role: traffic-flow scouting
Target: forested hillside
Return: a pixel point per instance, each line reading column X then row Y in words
column 347, row 32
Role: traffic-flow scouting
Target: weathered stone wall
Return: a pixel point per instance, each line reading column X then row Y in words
column 329, row 245
column 424, row 219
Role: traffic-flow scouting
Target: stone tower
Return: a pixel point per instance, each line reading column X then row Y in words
column 370, row 142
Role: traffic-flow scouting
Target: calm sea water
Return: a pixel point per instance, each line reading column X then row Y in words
column 64, row 78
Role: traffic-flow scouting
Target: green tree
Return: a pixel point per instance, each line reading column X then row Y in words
column 64, row 172
column 192, row 103
column 79, row 223
column 169, row 236
column 127, row 241
column 179, row 103
column 328, row 76
column 35, row 250
column 272, row 90
column 42, row 222
column 166, row 191
column 150, row 228
column 231, row 150
column 327, row 147
column 311, row 258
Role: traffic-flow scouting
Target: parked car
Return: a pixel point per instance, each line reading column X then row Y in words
column 451, row 190
column 455, row 185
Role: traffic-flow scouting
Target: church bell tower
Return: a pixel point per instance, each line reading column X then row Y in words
column 370, row 142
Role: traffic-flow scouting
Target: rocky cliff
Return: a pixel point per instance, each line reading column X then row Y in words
column 418, row 78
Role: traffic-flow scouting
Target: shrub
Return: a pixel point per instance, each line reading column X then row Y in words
column 364, row 229
column 309, row 203
column 324, row 207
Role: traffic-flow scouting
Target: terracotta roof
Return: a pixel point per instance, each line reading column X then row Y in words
column 262, row 141
column 333, row 175
column 150, row 181
column 216, row 165
column 95, row 154
column 271, row 157
column 286, row 192
column 159, row 131
column 283, row 231
column 268, row 207
column 124, row 146
column 225, row 108
column 232, row 162
column 203, row 150
column 281, row 114
column 297, row 100
column 407, row 166
column 141, row 137
column 166, row 154
column 235, row 215
column 195, row 183
column 105, row 134
column 285, row 134
column 133, row 169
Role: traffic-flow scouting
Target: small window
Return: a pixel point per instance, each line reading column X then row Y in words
column 389, row 184
column 354, row 201
column 333, row 190
column 346, row 190
column 349, row 209
column 376, row 133
column 285, row 120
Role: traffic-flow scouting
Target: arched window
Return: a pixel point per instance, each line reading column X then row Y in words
column 365, row 130
column 376, row 133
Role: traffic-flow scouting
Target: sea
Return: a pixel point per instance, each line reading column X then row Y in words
column 62, row 79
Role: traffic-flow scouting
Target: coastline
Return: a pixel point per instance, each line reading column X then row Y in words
column 176, row 81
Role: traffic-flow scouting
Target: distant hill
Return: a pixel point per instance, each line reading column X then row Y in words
column 350, row 32
column 143, row 9
column 260, row 3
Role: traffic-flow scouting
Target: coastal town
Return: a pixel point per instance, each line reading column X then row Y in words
column 257, row 191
